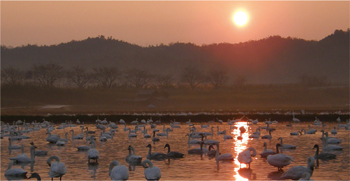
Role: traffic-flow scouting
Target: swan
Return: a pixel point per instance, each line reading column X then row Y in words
column 295, row 133
column 52, row 138
column 154, row 138
column 296, row 120
column 330, row 140
column 13, row 147
column 57, row 168
column 163, row 134
column 267, row 136
column 62, row 141
column 77, row 137
column 298, row 171
column 93, row 153
column 192, row 142
column 208, row 133
column 245, row 156
column 132, row 158
column 199, row 150
column 117, row 171
column 156, row 155
column 279, row 160
column 173, row 154
column 331, row 147
column 222, row 157
column 39, row 152
column 323, row 155
column 35, row 175
column 212, row 152
column 15, row 172
column 227, row 136
column 132, row 135
column 266, row 152
column 286, row 146
column 23, row 158
column 151, row 172
column 89, row 132
column 334, row 131
column 220, row 132
column 210, row 142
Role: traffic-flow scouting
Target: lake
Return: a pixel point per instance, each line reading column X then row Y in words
column 191, row 167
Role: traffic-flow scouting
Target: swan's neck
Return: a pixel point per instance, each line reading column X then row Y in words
column 10, row 165
column 32, row 153
column 252, row 150
column 317, row 151
column 168, row 148
column 133, row 150
column 265, row 147
column 189, row 138
column 217, row 151
column 150, row 151
column 281, row 142
column 277, row 150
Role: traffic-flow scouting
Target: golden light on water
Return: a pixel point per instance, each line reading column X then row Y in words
column 240, row 145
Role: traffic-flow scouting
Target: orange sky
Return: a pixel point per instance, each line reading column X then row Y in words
column 152, row 23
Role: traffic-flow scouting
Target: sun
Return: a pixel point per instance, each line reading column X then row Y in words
column 240, row 18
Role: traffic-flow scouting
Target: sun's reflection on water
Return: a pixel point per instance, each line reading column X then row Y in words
column 239, row 146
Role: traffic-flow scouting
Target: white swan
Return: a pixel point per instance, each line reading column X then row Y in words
column 279, row 160
column 39, row 152
column 322, row 155
column 173, row 154
column 267, row 136
column 132, row 158
column 23, row 158
column 15, row 172
column 13, row 147
column 200, row 150
column 117, row 171
column 62, row 141
column 93, row 153
column 245, row 156
column 132, row 135
column 151, row 172
column 295, row 133
column 52, row 138
column 222, row 157
column 266, row 152
column 334, row 131
column 154, row 138
column 77, row 137
column 227, row 136
column 298, row 171
column 220, row 132
column 210, row 142
column 57, row 168
column 329, row 140
column 286, row 146
column 155, row 155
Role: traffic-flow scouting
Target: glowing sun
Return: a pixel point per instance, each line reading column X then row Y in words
column 240, row 18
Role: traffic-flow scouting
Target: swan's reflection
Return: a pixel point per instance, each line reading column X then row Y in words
column 247, row 173
column 275, row 175
column 239, row 146
column 93, row 167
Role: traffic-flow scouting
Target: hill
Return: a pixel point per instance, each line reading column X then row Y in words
column 270, row 60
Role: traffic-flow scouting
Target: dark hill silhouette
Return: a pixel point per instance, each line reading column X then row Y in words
column 270, row 60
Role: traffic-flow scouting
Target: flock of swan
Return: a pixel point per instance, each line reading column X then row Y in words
column 121, row 172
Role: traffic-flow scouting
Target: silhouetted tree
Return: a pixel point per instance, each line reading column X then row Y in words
column 78, row 76
column 106, row 76
column 137, row 77
column 218, row 77
column 13, row 76
column 47, row 75
column 164, row 80
column 193, row 77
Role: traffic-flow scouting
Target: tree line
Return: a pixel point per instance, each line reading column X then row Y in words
column 191, row 77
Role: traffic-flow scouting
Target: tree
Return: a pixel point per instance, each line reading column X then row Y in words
column 313, row 81
column 47, row 75
column 78, row 76
column 218, row 77
column 193, row 77
column 137, row 77
column 106, row 76
column 13, row 76
column 164, row 80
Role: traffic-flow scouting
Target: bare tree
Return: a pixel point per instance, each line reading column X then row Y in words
column 164, row 80
column 240, row 80
column 106, row 76
column 218, row 77
column 193, row 76
column 78, row 76
column 13, row 76
column 47, row 75
column 137, row 77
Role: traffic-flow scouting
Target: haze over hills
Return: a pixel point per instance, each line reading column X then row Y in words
column 270, row 60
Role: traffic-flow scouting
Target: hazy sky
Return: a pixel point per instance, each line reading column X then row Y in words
column 152, row 23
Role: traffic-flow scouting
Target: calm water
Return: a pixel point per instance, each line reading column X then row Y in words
column 191, row 167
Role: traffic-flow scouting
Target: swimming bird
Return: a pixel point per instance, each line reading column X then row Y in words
column 266, row 152
column 154, row 155
column 279, row 160
column 267, row 136
column 52, row 138
column 200, row 150
column 117, row 171
column 286, row 146
column 245, row 156
column 295, row 133
column 212, row 152
column 151, row 172
column 322, row 155
column 39, row 152
column 57, row 168
column 222, row 157
column 298, row 171
column 334, row 131
column 15, row 172
column 227, row 136
column 23, row 158
column 93, row 153
column 173, row 154
column 13, row 147
column 132, row 158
